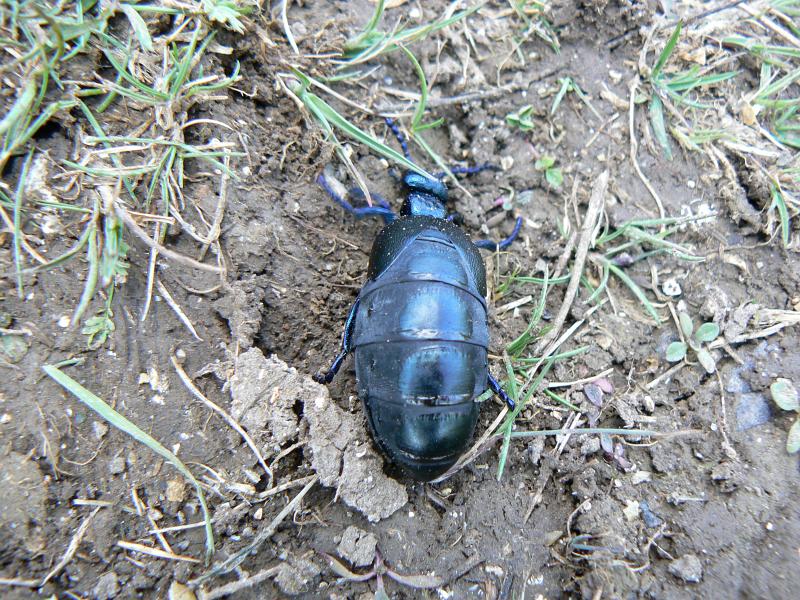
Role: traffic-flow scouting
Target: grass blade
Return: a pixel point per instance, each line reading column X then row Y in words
column 117, row 420
column 667, row 51
column 637, row 291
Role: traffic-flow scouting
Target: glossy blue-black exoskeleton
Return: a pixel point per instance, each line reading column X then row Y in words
column 419, row 334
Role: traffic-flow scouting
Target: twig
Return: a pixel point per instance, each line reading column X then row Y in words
column 727, row 448
column 176, row 308
column 216, row 225
column 72, row 548
column 593, row 213
column 235, row 560
column 187, row 381
column 238, row 586
column 285, row 486
column 635, row 149
column 666, row 375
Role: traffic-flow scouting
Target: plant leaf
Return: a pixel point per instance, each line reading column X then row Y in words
column 705, row 358
column 656, row 111
column 676, row 351
column 554, row 177
column 707, row 332
column 545, row 162
column 785, row 394
column 687, row 326
column 793, row 439
column 667, row 51
column 139, row 27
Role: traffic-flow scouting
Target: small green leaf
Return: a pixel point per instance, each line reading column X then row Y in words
column 139, row 27
column 545, row 162
column 554, row 177
column 656, row 111
column 785, row 394
column 676, row 351
column 707, row 332
column 793, row 439
column 705, row 358
column 687, row 327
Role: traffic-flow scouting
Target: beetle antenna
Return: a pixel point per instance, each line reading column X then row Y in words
column 459, row 170
column 401, row 139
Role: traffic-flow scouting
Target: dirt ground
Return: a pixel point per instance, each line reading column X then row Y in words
column 712, row 513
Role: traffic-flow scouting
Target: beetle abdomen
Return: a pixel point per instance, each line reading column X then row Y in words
column 420, row 339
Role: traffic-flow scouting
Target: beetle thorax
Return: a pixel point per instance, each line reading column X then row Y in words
column 424, row 196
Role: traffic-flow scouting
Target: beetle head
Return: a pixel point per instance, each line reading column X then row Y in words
column 424, row 196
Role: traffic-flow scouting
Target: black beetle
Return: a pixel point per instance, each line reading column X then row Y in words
column 419, row 331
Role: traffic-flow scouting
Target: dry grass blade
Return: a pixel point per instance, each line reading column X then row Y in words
column 590, row 220
column 177, row 309
column 117, row 420
column 187, row 381
column 154, row 552
column 262, row 536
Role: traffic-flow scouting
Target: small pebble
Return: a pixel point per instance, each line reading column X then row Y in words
column 671, row 287
column 651, row 520
column 116, row 465
column 688, row 568
column 107, row 586
column 752, row 410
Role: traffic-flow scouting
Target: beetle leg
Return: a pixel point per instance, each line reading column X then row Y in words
column 495, row 387
column 459, row 170
column 328, row 376
column 503, row 244
column 400, row 137
column 384, row 211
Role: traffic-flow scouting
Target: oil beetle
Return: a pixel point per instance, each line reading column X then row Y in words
column 419, row 329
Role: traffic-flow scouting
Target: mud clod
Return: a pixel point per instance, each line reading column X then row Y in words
column 357, row 546
column 688, row 568
column 264, row 391
column 22, row 503
column 343, row 458
column 295, row 575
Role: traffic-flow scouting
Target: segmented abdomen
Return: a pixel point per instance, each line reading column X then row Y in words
column 420, row 340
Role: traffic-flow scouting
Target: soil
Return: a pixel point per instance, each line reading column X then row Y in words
column 687, row 516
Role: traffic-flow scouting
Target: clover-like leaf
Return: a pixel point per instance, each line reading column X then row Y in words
column 676, row 351
column 522, row 118
column 785, row 394
column 705, row 358
column 793, row 439
column 707, row 332
column 687, row 327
